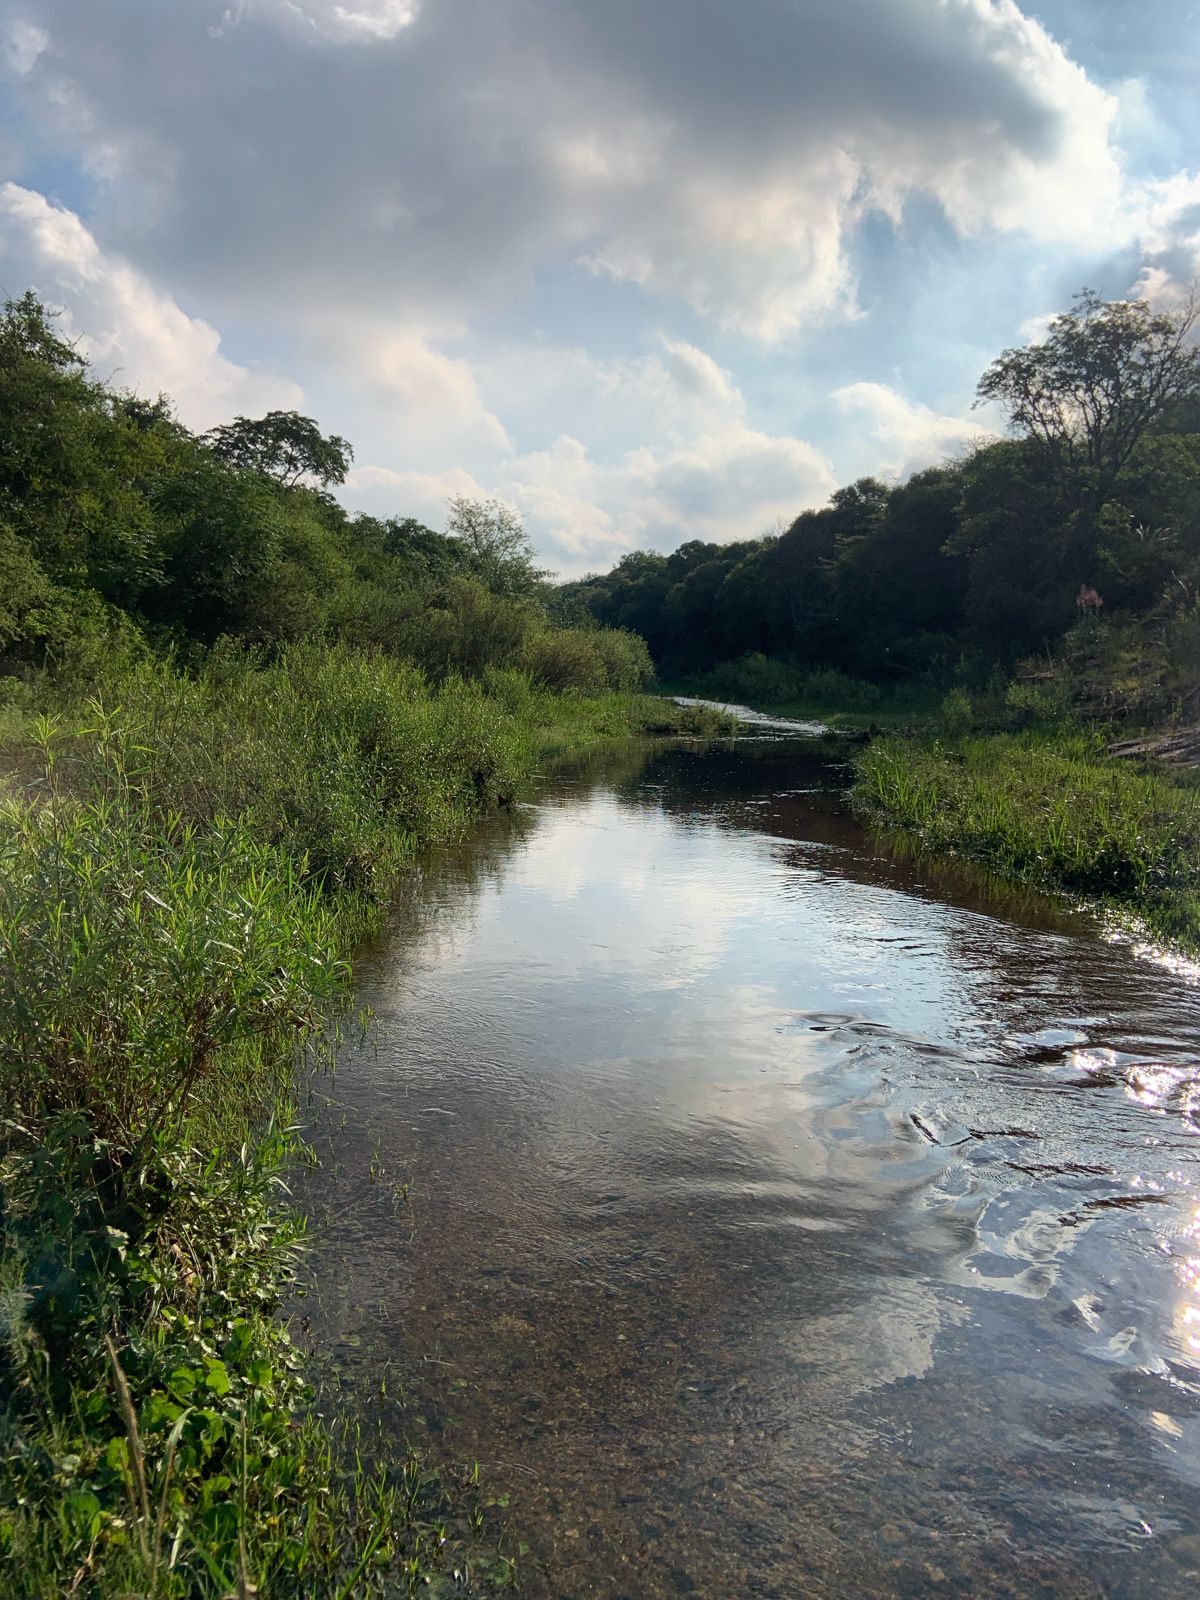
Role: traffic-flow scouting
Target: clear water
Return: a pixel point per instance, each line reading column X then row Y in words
column 788, row 1218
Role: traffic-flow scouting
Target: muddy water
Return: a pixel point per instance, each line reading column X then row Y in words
column 788, row 1218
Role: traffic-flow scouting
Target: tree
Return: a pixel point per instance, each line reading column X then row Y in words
column 495, row 543
column 76, row 465
column 285, row 446
column 1106, row 373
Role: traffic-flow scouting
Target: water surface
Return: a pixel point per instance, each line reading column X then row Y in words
column 788, row 1218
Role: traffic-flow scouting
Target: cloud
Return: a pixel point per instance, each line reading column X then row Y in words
column 430, row 397
column 911, row 435
column 23, row 43
column 130, row 330
column 722, row 155
column 325, row 21
column 1170, row 240
column 704, row 472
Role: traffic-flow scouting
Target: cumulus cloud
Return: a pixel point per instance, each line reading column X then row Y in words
column 704, row 472
column 131, row 331
column 430, row 396
column 910, row 435
column 720, row 154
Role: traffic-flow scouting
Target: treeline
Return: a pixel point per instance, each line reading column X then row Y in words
column 118, row 524
column 1091, row 508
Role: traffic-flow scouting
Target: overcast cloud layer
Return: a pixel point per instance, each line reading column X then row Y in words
column 650, row 269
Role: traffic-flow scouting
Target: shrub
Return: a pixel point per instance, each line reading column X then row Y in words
column 627, row 662
column 565, row 660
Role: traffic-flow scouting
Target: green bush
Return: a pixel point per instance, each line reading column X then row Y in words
column 757, row 679
column 565, row 660
column 626, row 656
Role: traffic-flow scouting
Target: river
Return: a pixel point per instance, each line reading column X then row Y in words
column 788, row 1216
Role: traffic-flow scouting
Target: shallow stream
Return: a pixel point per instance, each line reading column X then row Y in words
column 788, row 1216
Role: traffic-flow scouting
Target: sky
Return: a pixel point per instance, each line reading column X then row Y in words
column 648, row 270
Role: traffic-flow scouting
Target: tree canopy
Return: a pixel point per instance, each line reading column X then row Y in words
column 118, row 524
column 284, row 445
column 1106, row 373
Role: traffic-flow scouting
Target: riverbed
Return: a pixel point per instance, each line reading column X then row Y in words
column 771, row 1212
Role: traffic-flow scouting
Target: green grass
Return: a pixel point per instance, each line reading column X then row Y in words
column 1052, row 810
column 185, row 864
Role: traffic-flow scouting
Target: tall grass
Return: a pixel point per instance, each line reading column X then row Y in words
column 1052, row 810
column 185, row 861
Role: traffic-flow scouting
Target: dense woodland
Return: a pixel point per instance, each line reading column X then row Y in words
column 116, row 522
column 118, row 526
column 1090, row 509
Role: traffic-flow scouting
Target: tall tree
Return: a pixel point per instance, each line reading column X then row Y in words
column 497, row 547
column 284, row 445
column 1106, row 374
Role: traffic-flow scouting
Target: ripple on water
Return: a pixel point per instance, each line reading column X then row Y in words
column 776, row 1229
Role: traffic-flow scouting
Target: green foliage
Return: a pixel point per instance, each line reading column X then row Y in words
column 108, row 507
column 284, row 445
column 495, row 546
column 1105, row 374
column 587, row 660
column 1052, row 810
column 758, row 680
column 184, row 861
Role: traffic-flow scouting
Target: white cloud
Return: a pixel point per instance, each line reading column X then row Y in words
column 327, row 22
column 703, row 472
column 23, row 43
column 430, row 397
column 464, row 147
column 911, row 435
column 130, row 330
column 1170, row 239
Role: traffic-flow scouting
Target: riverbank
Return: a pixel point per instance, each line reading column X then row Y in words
column 1054, row 806
column 186, row 862
column 1050, row 808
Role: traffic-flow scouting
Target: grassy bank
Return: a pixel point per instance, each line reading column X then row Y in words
column 185, row 863
column 1053, row 810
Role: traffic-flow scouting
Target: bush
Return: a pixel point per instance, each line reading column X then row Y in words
column 565, row 660
column 833, row 690
column 627, row 662
column 763, row 680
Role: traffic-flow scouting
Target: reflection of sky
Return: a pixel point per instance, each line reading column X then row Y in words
column 660, row 905
column 810, row 1121
column 1187, row 1322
